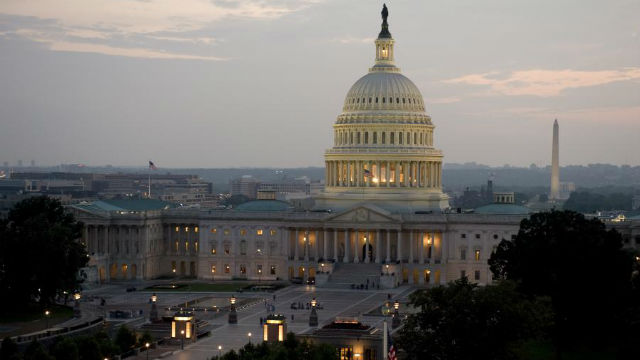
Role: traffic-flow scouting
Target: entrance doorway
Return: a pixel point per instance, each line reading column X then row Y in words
column 368, row 253
column 427, row 276
column 192, row 269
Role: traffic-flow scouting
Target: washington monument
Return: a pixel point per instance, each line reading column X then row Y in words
column 555, row 164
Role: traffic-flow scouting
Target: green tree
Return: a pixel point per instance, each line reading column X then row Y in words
column 66, row 348
column 35, row 351
column 145, row 338
column 89, row 349
column 580, row 266
column 39, row 231
column 9, row 350
column 125, row 339
column 464, row 321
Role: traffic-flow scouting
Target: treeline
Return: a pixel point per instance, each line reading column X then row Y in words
column 589, row 202
column 95, row 347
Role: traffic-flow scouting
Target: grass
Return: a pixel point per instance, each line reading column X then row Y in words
column 212, row 287
column 35, row 313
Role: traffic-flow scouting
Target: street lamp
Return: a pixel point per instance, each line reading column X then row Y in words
column 233, row 315
column 76, row 306
column 249, row 335
column 313, row 318
column 219, row 350
column 46, row 315
column 181, row 339
column 395, row 320
column 387, row 268
column 153, row 315
column 386, row 310
column 147, row 346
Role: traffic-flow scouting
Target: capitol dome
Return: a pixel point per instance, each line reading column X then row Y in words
column 383, row 90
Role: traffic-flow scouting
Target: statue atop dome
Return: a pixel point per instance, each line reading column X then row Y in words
column 384, row 33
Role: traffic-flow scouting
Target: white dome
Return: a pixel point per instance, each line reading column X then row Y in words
column 382, row 90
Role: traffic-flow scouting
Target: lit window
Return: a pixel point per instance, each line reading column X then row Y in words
column 186, row 229
column 195, row 245
column 177, row 246
column 214, row 231
column 177, row 228
column 227, row 268
column 173, row 266
column 213, row 269
column 273, row 269
column 226, row 249
column 259, row 232
column 259, row 269
column 195, row 229
column 273, row 232
column 243, row 269
column 186, row 246
column 213, row 251
column 227, row 232
column 477, row 255
column 243, row 232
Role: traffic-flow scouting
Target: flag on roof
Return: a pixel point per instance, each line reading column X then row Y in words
column 392, row 348
column 367, row 173
column 152, row 166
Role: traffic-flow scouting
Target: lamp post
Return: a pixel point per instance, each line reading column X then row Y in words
column 181, row 339
column 249, row 335
column 147, row 346
column 313, row 318
column 76, row 307
column 386, row 310
column 395, row 320
column 153, row 315
column 233, row 315
column 386, row 266
column 46, row 316
column 219, row 350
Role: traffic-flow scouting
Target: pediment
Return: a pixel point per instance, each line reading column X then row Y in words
column 364, row 214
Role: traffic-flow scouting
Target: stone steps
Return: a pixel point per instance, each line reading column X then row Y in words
column 346, row 274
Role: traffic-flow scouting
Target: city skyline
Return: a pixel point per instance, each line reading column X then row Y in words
column 254, row 84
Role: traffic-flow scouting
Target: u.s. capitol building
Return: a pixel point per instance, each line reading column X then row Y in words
column 381, row 218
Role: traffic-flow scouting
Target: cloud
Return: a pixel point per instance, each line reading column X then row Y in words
column 354, row 40
column 134, row 28
column 444, row 100
column 545, row 83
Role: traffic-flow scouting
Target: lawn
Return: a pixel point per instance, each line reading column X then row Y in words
column 32, row 319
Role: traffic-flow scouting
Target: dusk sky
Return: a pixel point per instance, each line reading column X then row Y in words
column 257, row 83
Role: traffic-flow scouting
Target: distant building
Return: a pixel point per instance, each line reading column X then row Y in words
column 246, row 185
column 504, row 197
column 351, row 338
column 566, row 188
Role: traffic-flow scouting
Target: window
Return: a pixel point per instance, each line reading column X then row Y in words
column 384, row 100
column 273, row 270
column 403, row 100
column 227, row 231
column 346, row 353
column 366, row 137
column 463, row 274
column 391, row 138
column 376, row 100
column 173, row 266
column 397, row 100
column 495, row 236
column 383, row 137
column 369, row 100
column 408, row 139
column 213, row 251
column 243, row 232
column 513, row 237
column 213, row 269
column 273, row 232
column 259, row 232
column 195, row 245
column 358, row 137
column 177, row 246
column 186, row 229
column 400, row 138
column 350, row 137
column 227, row 249
column 415, row 138
column 243, row 247
column 177, row 228
column 476, row 275
column 214, row 230
column 463, row 254
column 477, row 255
column 186, row 246
column 477, row 236
column 259, row 269
column 243, row 269
column 227, row 268
column 463, row 236
column 375, row 137
column 196, row 229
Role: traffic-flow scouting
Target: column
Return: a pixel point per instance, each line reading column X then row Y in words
column 387, row 174
column 419, row 173
column 411, row 246
column 307, row 248
column 296, row 252
column 325, row 246
column 421, row 246
column 432, row 248
column 366, row 246
column 399, row 236
column 379, row 172
column 405, row 171
column 335, row 245
column 378, row 246
column 348, row 173
column 396, row 175
column 356, row 246
column 105, row 244
column 316, row 246
column 347, row 244
column 388, row 258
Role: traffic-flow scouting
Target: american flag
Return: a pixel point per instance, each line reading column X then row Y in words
column 152, row 166
column 392, row 349
column 367, row 173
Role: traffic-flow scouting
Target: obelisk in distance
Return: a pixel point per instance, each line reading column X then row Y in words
column 555, row 164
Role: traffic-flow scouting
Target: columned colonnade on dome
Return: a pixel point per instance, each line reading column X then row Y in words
column 381, row 173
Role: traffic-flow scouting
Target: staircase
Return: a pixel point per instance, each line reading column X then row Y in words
column 346, row 274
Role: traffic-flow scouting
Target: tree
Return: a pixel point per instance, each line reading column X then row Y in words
column 290, row 349
column 125, row 339
column 579, row 265
column 464, row 321
column 9, row 350
column 66, row 348
column 40, row 253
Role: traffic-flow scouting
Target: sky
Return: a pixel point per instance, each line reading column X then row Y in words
column 259, row 83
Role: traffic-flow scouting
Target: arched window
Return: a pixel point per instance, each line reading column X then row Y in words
column 400, row 138
column 397, row 100
column 421, row 138
column 366, row 137
column 359, row 137
column 415, row 138
column 376, row 99
column 369, row 100
column 375, row 137
column 408, row 138
column 358, row 101
column 383, row 137
column 390, row 100
column 392, row 137
column 350, row 137
column 403, row 100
